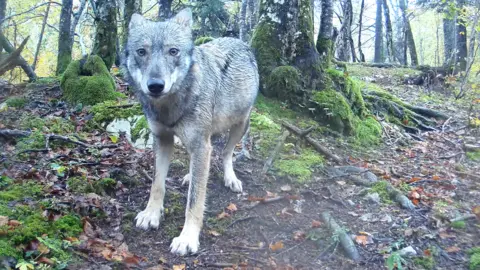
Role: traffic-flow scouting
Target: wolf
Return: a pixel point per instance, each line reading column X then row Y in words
column 191, row 92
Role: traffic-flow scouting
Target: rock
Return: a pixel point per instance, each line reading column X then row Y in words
column 366, row 217
column 373, row 198
column 350, row 202
column 387, row 218
column 408, row 251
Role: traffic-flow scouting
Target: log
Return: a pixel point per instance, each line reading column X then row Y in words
column 5, row 44
column 316, row 145
column 11, row 60
column 344, row 239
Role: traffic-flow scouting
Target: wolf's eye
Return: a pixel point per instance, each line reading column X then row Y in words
column 173, row 51
column 141, row 52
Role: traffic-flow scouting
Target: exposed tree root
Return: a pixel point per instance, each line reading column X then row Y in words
column 344, row 239
column 316, row 145
column 275, row 152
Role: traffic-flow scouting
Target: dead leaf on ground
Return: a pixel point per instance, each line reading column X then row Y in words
column 361, row 240
column 452, row 249
column 271, row 194
column 179, row 267
column 45, row 260
column 214, row 233
column 232, row 207
column 445, row 235
column 14, row 223
column 223, row 215
column 286, row 188
column 278, row 245
column 476, row 211
column 3, row 220
column 298, row 235
column 316, row 224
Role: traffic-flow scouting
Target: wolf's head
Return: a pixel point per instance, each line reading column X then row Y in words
column 159, row 54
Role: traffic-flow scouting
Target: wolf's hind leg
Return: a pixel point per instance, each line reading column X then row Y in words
column 236, row 133
column 188, row 240
column 150, row 217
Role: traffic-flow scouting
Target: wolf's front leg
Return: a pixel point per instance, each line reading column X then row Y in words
column 150, row 217
column 188, row 240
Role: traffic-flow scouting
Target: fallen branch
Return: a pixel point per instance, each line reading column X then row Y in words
column 278, row 148
column 11, row 60
column 48, row 137
column 316, row 145
column 241, row 220
column 359, row 176
column 344, row 239
column 464, row 217
column 398, row 196
column 21, row 61
column 271, row 200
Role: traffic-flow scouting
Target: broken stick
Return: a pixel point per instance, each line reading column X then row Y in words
column 316, row 145
column 275, row 152
column 344, row 239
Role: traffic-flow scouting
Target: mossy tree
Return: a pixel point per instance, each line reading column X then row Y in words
column 106, row 35
column 131, row 7
column 64, row 45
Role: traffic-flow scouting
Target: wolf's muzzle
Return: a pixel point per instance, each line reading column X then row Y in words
column 156, row 86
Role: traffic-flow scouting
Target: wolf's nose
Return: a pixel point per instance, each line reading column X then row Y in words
column 156, row 86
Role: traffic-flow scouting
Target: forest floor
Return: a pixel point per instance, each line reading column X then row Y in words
column 74, row 203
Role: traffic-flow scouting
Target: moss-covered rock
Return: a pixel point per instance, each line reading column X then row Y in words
column 88, row 82
column 106, row 112
column 202, row 40
column 283, row 83
column 367, row 131
column 334, row 110
column 300, row 167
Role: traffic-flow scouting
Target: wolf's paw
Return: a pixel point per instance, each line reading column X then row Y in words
column 149, row 218
column 232, row 182
column 186, row 179
column 184, row 244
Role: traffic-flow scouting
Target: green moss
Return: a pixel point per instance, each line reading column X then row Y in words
column 335, row 110
column 274, row 108
column 140, row 129
column 88, row 82
column 105, row 185
column 202, row 40
column 425, row 262
column 17, row 192
column 266, row 47
column 68, row 225
column 8, row 250
column 474, row 258
column 324, row 47
column 33, row 226
column 368, row 131
column 460, row 225
column 475, row 156
column 299, row 166
column 283, row 83
column 80, row 185
column 51, row 125
column 106, row 112
column 381, row 188
column 16, row 102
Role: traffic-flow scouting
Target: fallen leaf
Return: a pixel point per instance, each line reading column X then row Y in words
column 278, row 245
column 232, row 207
column 14, row 223
column 107, row 254
column 157, row 267
column 271, row 195
column 298, row 235
column 223, row 215
column 214, row 233
column 427, row 252
column 414, row 179
column 179, row 267
column 316, row 224
column 436, row 177
column 46, row 260
column 286, row 188
column 361, row 240
column 452, row 249
column 476, row 211
column 162, row 260
column 445, row 235
column 132, row 259
column 3, row 220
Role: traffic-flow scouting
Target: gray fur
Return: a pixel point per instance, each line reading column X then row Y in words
column 208, row 89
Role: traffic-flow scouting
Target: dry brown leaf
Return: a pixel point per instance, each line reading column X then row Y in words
column 361, row 240
column 298, row 235
column 14, row 223
column 45, row 260
column 452, row 249
column 271, row 194
column 436, row 177
column 476, row 211
column 3, row 220
column 278, row 245
column 316, row 224
column 286, row 188
column 445, row 235
column 107, row 254
column 214, row 233
column 72, row 239
column 179, row 267
column 157, row 267
column 223, row 215
column 162, row 260
column 232, row 207
column 131, row 258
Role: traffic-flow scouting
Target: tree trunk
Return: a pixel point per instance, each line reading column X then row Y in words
column 360, row 52
column 449, row 39
column 409, row 40
column 461, row 56
column 243, row 20
column 379, row 56
column 251, row 14
column 344, row 48
column 76, row 19
column 39, row 44
column 131, row 7
column 325, row 41
column 389, row 33
column 106, row 35
column 22, row 63
column 3, row 9
column 64, row 37
column 164, row 9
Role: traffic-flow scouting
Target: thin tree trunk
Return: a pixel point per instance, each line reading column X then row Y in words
column 23, row 64
column 344, row 49
column 379, row 56
column 449, row 39
column 3, row 9
column 389, row 32
column 131, row 7
column 64, row 37
column 106, row 35
column 164, row 9
column 39, row 44
column 362, row 56
column 243, row 22
column 76, row 18
column 324, row 41
column 409, row 40
column 251, row 14
column 461, row 42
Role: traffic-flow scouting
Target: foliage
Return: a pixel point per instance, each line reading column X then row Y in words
column 106, row 112
column 381, row 188
column 51, row 125
column 140, row 129
column 395, row 260
column 426, row 262
column 212, row 15
column 88, row 82
column 16, row 102
column 459, row 224
column 299, row 166
column 474, row 258
column 202, row 40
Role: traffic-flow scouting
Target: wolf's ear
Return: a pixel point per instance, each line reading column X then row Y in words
column 136, row 20
column 184, row 17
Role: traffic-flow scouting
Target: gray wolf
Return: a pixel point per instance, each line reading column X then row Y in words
column 192, row 93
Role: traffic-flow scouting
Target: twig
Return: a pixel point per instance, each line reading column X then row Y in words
column 274, row 153
column 145, row 174
column 345, row 240
column 241, row 220
column 288, row 249
column 464, row 217
column 271, row 200
column 219, row 265
column 312, row 142
column 451, row 156
column 445, row 123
